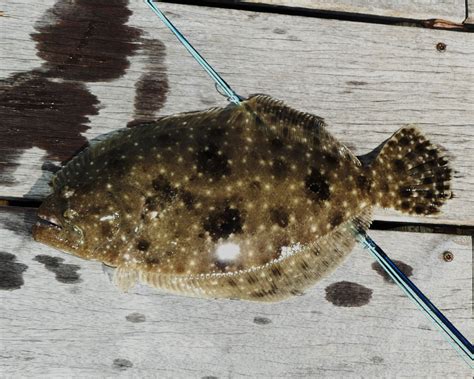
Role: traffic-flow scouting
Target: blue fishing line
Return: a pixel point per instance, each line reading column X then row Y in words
column 231, row 95
column 460, row 343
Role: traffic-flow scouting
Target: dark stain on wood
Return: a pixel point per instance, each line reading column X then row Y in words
column 152, row 87
column 262, row 320
column 121, row 364
column 348, row 294
column 11, row 272
column 356, row 83
column 37, row 112
column 135, row 317
column 405, row 268
column 87, row 41
column 65, row 273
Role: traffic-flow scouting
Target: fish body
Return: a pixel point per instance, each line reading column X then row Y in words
column 255, row 201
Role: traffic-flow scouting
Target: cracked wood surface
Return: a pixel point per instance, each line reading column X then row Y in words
column 451, row 10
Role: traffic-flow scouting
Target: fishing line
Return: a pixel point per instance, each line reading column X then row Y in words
column 460, row 343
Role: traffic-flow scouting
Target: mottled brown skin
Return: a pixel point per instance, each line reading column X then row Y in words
column 254, row 201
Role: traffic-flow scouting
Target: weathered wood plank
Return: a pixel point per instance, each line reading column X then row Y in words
column 366, row 80
column 470, row 12
column 452, row 10
column 67, row 319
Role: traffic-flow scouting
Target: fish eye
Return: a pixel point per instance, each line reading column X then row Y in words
column 70, row 214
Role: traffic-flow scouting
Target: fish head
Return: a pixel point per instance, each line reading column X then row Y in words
column 72, row 220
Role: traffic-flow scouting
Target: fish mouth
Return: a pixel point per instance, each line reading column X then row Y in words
column 47, row 228
column 49, row 222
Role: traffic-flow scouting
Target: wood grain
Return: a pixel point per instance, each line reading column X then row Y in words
column 366, row 80
column 470, row 12
column 88, row 328
column 452, row 10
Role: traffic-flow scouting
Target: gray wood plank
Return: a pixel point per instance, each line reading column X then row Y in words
column 68, row 320
column 366, row 80
column 441, row 9
column 470, row 12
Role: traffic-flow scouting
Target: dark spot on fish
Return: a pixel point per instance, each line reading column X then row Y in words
column 35, row 111
column 165, row 140
column 151, row 89
column 11, row 272
column 262, row 320
column 363, row 183
column 152, row 260
column 65, row 273
column 89, row 41
column 162, row 185
column 405, row 192
column 399, row 166
column 404, row 141
column 348, row 294
column 221, row 265
column 279, row 168
column 428, row 180
column 419, row 209
column 392, row 144
column 135, row 317
column 222, row 223
column 317, row 186
column 422, row 147
column 332, row 160
column 336, row 219
column 406, row 269
column 122, row 364
column 430, row 195
column 216, row 133
column 279, row 216
column 211, row 163
column 143, row 245
column 188, row 199
column 276, row 144
column 209, row 377
column 405, row 205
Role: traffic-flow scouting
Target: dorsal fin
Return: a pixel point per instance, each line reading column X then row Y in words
column 274, row 116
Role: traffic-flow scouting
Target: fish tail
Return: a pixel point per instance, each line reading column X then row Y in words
column 411, row 174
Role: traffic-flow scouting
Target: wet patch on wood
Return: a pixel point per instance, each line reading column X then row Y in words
column 65, row 273
column 405, row 268
column 11, row 272
column 348, row 294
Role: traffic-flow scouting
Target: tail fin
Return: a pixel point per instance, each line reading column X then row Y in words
column 410, row 174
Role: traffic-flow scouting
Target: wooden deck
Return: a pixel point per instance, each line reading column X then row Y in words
column 61, row 86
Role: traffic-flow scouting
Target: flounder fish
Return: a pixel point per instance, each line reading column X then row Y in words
column 255, row 201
